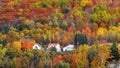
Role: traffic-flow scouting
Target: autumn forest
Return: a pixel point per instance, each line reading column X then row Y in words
column 59, row 33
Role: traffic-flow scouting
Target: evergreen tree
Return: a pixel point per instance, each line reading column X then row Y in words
column 80, row 39
column 114, row 51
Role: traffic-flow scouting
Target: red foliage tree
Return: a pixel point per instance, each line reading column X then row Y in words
column 73, row 65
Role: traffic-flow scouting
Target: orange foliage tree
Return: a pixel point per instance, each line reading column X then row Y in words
column 27, row 44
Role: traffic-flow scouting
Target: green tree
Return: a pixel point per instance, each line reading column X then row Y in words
column 13, row 36
column 60, row 15
column 62, row 3
column 114, row 51
column 100, row 14
column 64, row 25
column 92, row 52
column 80, row 39
column 62, row 64
column 2, row 55
column 11, row 53
column 79, row 13
column 45, row 3
column 56, row 24
column 11, row 63
column 67, row 65
column 3, row 39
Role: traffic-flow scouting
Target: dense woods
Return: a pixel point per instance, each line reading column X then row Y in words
column 92, row 26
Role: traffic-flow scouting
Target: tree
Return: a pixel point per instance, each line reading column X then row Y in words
column 100, row 14
column 80, row 24
column 93, row 18
column 73, row 60
column 41, row 64
column 113, row 33
column 57, row 36
column 17, row 46
column 100, row 59
column 83, row 3
column 67, row 65
column 67, row 38
column 62, row 64
column 3, row 38
column 64, row 25
column 11, row 63
column 80, row 39
column 92, row 52
column 13, row 36
column 45, row 3
column 82, row 54
column 60, row 15
column 94, row 27
column 86, row 30
column 79, row 13
column 55, row 24
column 65, row 10
column 27, row 43
column 114, row 51
column 2, row 53
column 62, row 3
column 101, row 33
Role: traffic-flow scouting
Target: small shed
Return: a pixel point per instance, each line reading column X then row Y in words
column 37, row 46
column 68, row 48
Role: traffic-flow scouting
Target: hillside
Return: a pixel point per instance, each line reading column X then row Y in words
column 33, row 30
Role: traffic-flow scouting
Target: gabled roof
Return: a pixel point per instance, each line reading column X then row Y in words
column 68, row 48
column 53, row 44
column 56, row 45
column 37, row 46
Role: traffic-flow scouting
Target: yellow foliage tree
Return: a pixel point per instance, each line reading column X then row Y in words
column 40, row 65
column 101, row 33
column 17, row 46
column 81, row 60
column 2, row 36
column 101, row 57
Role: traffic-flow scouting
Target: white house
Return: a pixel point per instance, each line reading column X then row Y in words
column 56, row 45
column 68, row 48
column 37, row 46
